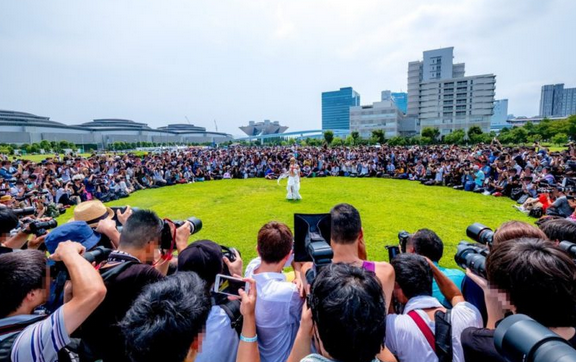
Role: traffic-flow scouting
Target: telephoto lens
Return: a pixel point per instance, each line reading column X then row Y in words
column 568, row 247
column 480, row 233
column 471, row 256
column 520, row 338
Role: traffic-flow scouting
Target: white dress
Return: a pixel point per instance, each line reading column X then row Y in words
column 293, row 186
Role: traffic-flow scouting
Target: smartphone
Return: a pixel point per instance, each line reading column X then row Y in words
column 229, row 285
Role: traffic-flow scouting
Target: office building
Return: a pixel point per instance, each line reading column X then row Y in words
column 336, row 108
column 262, row 128
column 20, row 127
column 500, row 116
column 399, row 98
column 557, row 101
column 383, row 115
column 441, row 96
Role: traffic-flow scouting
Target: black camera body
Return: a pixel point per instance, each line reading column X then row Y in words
column 394, row 250
column 167, row 239
column 471, row 256
column 312, row 241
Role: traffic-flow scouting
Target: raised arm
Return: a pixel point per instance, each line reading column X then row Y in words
column 446, row 286
column 88, row 289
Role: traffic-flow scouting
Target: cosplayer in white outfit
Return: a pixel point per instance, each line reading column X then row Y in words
column 293, row 186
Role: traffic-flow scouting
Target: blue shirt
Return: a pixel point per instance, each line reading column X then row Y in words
column 455, row 275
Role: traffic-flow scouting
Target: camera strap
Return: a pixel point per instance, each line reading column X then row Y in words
column 424, row 328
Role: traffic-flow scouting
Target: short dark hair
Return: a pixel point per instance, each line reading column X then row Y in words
column 345, row 224
column 274, row 242
column 166, row 318
column 413, row 275
column 349, row 311
column 427, row 243
column 142, row 227
column 512, row 230
column 8, row 220
column 534, row 273
column 559, row 229
column 20, row 273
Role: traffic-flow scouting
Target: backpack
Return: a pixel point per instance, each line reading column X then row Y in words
column 6, row 344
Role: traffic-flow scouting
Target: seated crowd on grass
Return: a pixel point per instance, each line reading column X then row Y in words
column 533, row 176
column 141, row 302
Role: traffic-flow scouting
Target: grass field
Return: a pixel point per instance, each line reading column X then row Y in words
column 232, row 211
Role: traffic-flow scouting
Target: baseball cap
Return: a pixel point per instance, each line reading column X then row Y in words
column 77, row 231
column 203, row 257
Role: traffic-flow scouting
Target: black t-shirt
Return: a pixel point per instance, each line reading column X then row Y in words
column 478, row 345
column 100, row 331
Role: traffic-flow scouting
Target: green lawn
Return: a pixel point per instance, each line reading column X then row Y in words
column 232, row 211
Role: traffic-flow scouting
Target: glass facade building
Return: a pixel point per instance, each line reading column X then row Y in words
column 336, row 108
column 557, row 101
column 401, row 101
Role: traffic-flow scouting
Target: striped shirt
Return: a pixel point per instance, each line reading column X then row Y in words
column 41, row 341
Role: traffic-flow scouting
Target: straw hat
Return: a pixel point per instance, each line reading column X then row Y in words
column 92, row 212
column 5, row 198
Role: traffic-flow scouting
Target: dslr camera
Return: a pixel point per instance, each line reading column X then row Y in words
column 480, row 233
column 393, row 250
column 168, row 238
column 312, row 242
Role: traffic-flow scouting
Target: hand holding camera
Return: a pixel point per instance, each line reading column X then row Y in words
column 66, row 249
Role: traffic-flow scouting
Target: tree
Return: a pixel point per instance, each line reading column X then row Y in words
column 338, row 142
column 456, row 137
column 397, row 141
column 431, row 133
column 474, row 130
column 378, row 136
column 329, row 137
column 355, row 136
column 560, row 139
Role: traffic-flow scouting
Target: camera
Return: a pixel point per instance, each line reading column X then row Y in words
column 167, row 239
column 26, row 211
column 471, row 256
column 39, row 228
column 311, row 232
column 480, row 233
column 228, row 252
column 520, row 338
column 568, row 247
column 393, row 250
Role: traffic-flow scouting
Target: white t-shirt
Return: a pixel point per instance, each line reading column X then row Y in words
column 278, row 311
column 406, row 341
column 221, row 341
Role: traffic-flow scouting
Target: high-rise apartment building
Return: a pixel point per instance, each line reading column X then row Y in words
column 500, row 116
column 557, row 101
column 441, row 96
column 336, row 108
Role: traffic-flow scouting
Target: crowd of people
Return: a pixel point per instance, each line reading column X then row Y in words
column 125, row 285
column 541, row 181
column 116, row 293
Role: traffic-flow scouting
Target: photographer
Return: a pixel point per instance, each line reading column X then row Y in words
column 347, row 242
column 427, row 243
column 166, row 322
column 125, row 273
column 205, row 258
column 29, row 337
column 558, row 230
column 414, row 335
column 9, row 222
column 527, row 276
column 561, row 205
column 344, row 317
column 279, row 304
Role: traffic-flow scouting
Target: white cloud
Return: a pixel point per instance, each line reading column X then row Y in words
column 238, row 60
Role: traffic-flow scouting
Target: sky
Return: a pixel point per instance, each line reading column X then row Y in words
column 233, row 61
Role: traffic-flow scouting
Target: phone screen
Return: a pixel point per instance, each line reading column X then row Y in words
column 229, row 285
